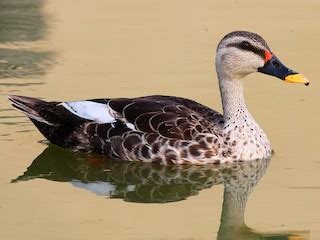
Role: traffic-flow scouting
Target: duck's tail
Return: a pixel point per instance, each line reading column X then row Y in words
column 55, row 122
column 30, row 107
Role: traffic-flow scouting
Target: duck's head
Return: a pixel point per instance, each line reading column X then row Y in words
column 241, row 53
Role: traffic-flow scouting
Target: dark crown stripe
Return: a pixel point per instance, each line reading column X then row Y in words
column 253, row 36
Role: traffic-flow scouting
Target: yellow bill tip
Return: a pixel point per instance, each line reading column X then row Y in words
column 297, row 78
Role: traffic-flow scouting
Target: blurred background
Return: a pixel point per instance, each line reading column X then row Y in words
column 71, row 50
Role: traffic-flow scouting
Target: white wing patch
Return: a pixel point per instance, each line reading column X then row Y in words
column 98, row 112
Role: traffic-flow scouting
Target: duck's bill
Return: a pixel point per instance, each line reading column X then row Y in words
column 275, row 68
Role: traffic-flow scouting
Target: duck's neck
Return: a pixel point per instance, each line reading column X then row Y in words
column 251, row 141
column 233, row 101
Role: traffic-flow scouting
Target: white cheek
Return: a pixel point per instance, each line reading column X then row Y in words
column 260, row 63
column 251, row 62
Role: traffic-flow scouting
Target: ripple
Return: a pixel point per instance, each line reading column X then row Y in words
column 7, row 84
column 22, row 28
column 8, row 117
column 22, row 20
column 11, row 123
column 21, row 63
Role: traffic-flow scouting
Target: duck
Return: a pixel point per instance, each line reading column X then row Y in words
column 168, row 129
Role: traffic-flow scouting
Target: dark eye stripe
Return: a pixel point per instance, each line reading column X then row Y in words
column 248, row 47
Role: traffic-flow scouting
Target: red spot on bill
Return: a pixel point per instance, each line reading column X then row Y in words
column 267, row 55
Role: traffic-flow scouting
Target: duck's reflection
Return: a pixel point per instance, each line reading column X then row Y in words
column 153, row 183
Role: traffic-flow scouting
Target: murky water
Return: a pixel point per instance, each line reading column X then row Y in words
column 61, row 50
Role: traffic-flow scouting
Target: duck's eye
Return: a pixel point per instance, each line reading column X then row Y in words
column 245, row 45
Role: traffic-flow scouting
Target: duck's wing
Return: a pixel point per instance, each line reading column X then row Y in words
column 155, row 128
column 170, row 117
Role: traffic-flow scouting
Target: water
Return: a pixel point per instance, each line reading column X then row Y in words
column 58, row 50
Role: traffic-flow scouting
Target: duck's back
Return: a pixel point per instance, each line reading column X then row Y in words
column 150, row 129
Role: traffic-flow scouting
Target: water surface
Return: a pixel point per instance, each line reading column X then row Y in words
column 60, row 50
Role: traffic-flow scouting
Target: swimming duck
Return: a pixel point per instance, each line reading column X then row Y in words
column 166, row 129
